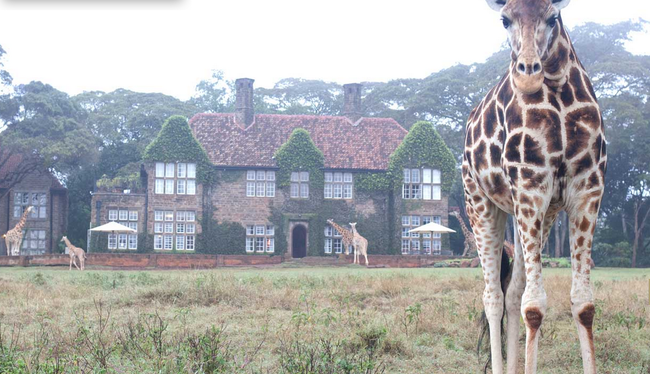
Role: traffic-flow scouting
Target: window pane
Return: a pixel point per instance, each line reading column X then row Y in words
column 259, row 230
column 338, row 248
column 124, row 215
column 260, row 189
column 338, row 191
column 168, row 242
column 304, row 190
column 250, row 244
column 190, row 228
column 415, row 191
column 180, row 186
column 406, row 191
column 112, row 241
column 180, row 242
column 169, row 186
column 169, row 170
column 122, row 243
column 436, row 192
column 158, row 227
column 295, row 190
column 405, row 232
column 169, row 228
column 25, row 198
column 347, row 191
column 270, row 230
column 328, row 230
column 180, row 228
column 190, row 216
column 328, row 177
column 406, row 246
column 415, row 221
column 250, row 189
column 436, row 176
column 34, row 199
column 261, row 175
column 259, row 244
column 133, row 215
column 347, row 177
column 426, row 191
column 169, row 215
column 160, row 186
column 426, row 176
column 18, row 198
column 328, row 245
column 191, row 171
column 158, row 215
column 42, row 199
column 250, row 230
column 112, row 215
column 18, row 211
column 133, row 242
column 270, row 189
column 304, row 176
column 160, row 170
column 415, row 176
column 250, row 175
column 406, row 220
column 295, row 177
column 182, row 168
column 191, row 187
column 270, row 244
column 270, row 175
column 338, row 177
column 180, row 216
column 41, row 234
column 328, row 191
column 407, row 175
column 157, row 242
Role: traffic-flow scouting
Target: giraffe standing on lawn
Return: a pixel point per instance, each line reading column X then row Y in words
column 535, row 146
column 347, row 236
column 470, row 241
column 360, row 244
column 75, row 252
column 14, row 237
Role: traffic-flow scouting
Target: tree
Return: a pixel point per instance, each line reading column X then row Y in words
column 44, row 127
column 5, row 77
column 214, row 95
column 301, row 96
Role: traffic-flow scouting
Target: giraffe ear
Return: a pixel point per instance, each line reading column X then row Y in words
column 560, row 4
column 496, row 4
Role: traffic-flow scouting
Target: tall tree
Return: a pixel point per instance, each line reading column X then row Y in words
column 214, row 95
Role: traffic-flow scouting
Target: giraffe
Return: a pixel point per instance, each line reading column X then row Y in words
column 14, row 237
column 75, row 252
column 360, row 244
column 347, row 236
column 470, row 241
column 535, row 146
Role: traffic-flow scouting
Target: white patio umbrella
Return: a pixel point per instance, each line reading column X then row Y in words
column 113, row 227
column 432, row 227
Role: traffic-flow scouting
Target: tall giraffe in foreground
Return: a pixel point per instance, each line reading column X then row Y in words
column 360, row 244
column 535, row 146
column 346, row 235
column 470, row 241
column 14, row 237
column 75, row 252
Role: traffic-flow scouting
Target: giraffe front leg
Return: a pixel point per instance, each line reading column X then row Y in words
column 582, row 224
column 514, row 294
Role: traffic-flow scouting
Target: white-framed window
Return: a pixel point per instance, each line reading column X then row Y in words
column 260, row 238
column 333, row 240
column 260, row 183
column 178, row 178
column 422, row 184
column 34, row 240
column 128, row 218
column 178, row 228
column 338, row 185
column 300, row 185
column 38, row 200
column 425, row 243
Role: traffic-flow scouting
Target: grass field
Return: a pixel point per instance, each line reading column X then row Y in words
column 294, row 320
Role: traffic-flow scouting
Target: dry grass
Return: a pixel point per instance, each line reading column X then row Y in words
column 307, row 320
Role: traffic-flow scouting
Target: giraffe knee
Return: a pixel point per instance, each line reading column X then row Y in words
column 586, row 316
column 533, row 317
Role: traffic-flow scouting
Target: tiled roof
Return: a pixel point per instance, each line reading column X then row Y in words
column 12, row 165
column 366, row 145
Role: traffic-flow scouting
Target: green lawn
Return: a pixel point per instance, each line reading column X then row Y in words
column 294, row 320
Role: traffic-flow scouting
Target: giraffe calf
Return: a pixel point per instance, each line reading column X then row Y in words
column 75, row 252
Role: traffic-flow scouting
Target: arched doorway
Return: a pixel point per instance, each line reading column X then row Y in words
column 299, row 241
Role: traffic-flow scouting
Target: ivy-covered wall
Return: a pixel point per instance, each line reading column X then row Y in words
column 176, row 143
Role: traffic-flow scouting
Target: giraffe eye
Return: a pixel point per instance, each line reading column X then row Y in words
column 551, row 21
column 506, row 22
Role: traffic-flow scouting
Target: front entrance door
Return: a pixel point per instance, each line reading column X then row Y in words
column 299, row 241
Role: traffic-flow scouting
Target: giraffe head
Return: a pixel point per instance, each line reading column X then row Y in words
column 64, row 238
column 30, row 209
column 532, row 26
column 353, row 225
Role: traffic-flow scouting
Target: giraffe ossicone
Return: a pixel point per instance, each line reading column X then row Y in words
column 535, row 146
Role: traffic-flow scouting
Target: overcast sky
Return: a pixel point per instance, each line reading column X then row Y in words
column 169, row 46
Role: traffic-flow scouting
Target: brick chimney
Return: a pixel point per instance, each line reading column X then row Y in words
column 352, row 101
column 244, row 111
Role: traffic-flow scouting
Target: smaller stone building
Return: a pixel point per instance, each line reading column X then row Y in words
column 42, row 190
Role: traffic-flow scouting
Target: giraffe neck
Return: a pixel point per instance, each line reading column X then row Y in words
column 67, row 243
column 462, row 224
column 23, row 220
column 341, row 230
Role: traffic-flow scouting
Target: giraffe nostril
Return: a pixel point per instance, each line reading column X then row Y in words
column 521, row 68
column 537, row 67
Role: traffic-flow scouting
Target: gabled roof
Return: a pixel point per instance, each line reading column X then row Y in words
column 12, row 165
column 364, row 145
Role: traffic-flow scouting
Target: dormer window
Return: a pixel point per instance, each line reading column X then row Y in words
column 421, row 184
column 179, row 178
column 300, row 185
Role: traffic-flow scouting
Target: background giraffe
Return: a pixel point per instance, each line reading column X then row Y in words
column 347, row 236
column 470, row 241
column 14, row 237
column 75, row 252
column 360, row 244
column 535, row 146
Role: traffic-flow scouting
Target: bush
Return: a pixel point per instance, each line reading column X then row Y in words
column 617, row 255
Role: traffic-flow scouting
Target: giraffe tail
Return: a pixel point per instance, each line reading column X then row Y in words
column 505, row 275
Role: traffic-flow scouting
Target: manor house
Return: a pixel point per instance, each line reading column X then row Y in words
column 254, row 206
